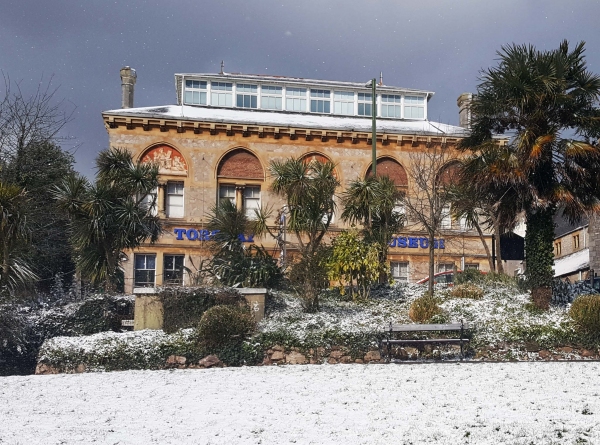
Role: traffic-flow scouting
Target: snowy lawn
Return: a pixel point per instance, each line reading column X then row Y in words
column 445, row 403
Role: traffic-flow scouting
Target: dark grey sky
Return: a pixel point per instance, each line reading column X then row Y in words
column 432, row 45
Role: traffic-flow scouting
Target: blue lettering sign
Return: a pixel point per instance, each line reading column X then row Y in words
column 442, row 244
column 179, row 233
column 424, row 243
column 402, row 242
column 413, row 243
column 392, row 243
column 192, row 234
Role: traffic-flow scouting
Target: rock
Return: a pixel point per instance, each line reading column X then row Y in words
column 210, row 361
column 531, row 346
column 346, row 359
column 320, row 351
column 295, row 358
column 359, row 361
column 372, row 356
column 436, row 354
column 332, row 361
column 584, row 353
column 402, row 354
column 278, row 348
column 313, row 361
column 544, row 354
column 267, row 361
column 277, row 356
column 336, row 354
column 43, row 369
column 176, row 360
column 566, row 349
column 80, row 368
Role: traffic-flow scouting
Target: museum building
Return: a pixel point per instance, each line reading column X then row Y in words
column 217, row 141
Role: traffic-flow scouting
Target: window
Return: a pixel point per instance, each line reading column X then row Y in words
column 343, row 102
column 575, row 242
column 464, row 224
column 195, row 92
column 251, row 201
column 557, row 248
column 319, row 101
column 445, row 267
column 295, row 99
column 145, row 265
column 399, row 271
column 414, row 107
column 174, row 199
column 150, row 202
column 221, row 94
column 270, row 98
column 365, row 104
column 227, row 192
column 247, row 96
column 446, row 222
column 173, row 269
column 472, row 266
column 390, row 105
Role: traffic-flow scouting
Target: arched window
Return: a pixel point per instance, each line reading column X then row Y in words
column 240, row 176
column 392, row 168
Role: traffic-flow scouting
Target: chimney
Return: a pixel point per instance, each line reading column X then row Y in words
column 464, row 109
column 128, row 78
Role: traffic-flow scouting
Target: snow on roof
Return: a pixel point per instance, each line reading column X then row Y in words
column 572, row 263
column 291, row 119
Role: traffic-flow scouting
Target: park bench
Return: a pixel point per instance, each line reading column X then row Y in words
column 394, row 330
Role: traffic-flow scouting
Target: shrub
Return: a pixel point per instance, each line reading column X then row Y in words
column 183, row 306
column 585, row 310
column 424, row 308
column 469, row 276
column 225, row 325
column 19, row 343
column 467, row 291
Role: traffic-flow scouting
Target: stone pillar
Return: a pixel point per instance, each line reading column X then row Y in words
column 594, row 242
column 148, row 312
column 464, row 109
column 256, row 300
column 128, row 78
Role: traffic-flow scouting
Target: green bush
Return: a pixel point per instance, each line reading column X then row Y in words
column 183, row 306
column 424, row 308
column 585, row 310
column 469, row 276
column 225, row 325
column 467, row 291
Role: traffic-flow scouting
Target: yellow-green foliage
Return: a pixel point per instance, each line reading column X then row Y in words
column 354, row 263
column 423, row 308
column 467, row 291
column 585, row 310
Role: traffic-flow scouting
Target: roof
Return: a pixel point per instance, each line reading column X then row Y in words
column 562, row 226
column 574, row 262
column 291, row 120
column 301, row 81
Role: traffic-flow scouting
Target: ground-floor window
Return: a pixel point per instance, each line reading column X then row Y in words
column 145, row 270
column 399, row 271
column 445, row 267
column 173, row 269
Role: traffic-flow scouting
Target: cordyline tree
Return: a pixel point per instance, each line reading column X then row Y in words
column 547, row 103
column 308, row 188
column 373, row 203
column 114, row 214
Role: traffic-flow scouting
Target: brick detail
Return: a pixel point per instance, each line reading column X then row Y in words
column 390, row 167
column 449, row 173
column 240, row 164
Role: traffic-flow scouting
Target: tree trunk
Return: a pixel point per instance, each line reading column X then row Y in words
column 499, row 265
column 485, row 246
column 539, row 246
column 431, row 264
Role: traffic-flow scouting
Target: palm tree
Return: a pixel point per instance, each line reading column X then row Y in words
column 372, row 203
column 15, row 270
column 546, row 102
column 308, row 189
column 114, row 214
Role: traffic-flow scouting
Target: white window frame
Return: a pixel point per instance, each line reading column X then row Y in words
column 198, row 88
column 221, row 94
column 295, row 99
column 321, row 99
column 445, row 267
column 145, row 256
column 172, row 207
column 150, row 201
column 414, row 107
column 446, row 217
column 247, row 93
column 269, row 93
column 251, row 195
column 366, row 100
column 391, row 106
column 396, row 270
column 174, row 269
column 471, row 266
column 343, row 102
column 227, row 191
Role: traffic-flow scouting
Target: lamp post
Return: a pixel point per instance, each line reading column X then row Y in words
column 372, row 83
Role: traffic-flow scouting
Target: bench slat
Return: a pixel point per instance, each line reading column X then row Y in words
column 426, row 327
column 425, row 341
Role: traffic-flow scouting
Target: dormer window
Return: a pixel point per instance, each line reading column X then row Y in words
column 295, row 99
column 195, row 92
column 390, row 105
column 414, row 107
column 365, row 104
column 270, row 98
column 320, row 101
column 221, row 94
column 247, row 96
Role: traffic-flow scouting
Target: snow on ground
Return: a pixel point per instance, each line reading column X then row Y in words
column 445, row 403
